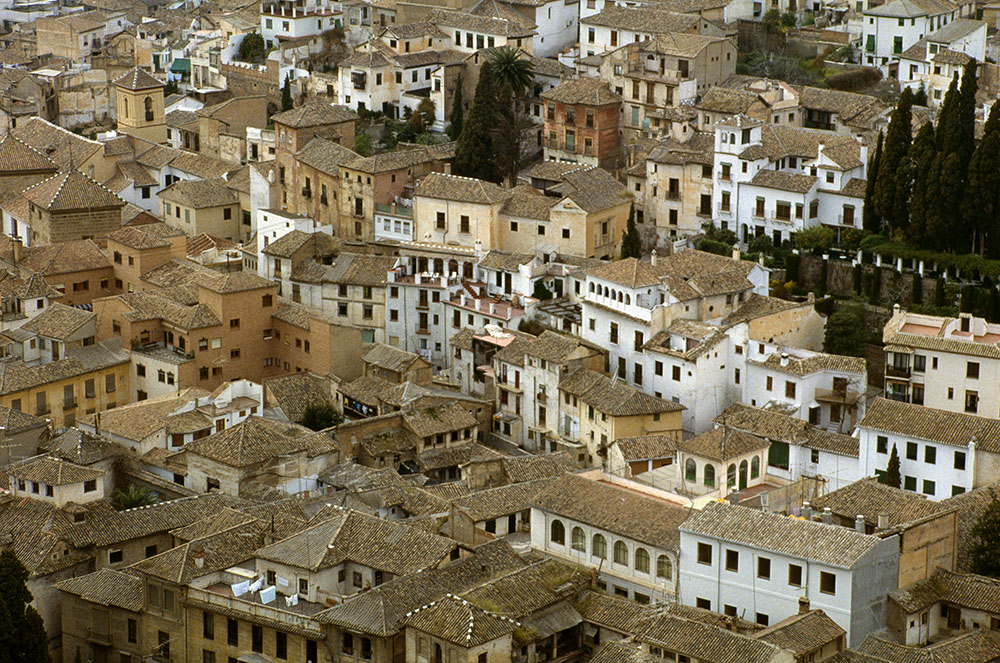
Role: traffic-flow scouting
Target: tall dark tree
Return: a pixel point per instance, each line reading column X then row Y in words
column 510, row 69
column 252, row 49
column 286, row 94
column 631, row 242
column 897, row 145
column 967, row 114
column 872, row 221
column 475, row 154
column 22, row 632
column 981, row 202
column 845, row 331
column 921, row 157
column 892, row 476
column 508, row 136
column 984, row 540
column 454, row 129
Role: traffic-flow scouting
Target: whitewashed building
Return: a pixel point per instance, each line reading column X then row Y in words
column 891, row 28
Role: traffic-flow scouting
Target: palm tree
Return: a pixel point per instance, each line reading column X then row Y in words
column 510, row 69
column 132, row 497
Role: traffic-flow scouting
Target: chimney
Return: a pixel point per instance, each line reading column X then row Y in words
column 883, row 521
column 859, row 523
column 807, row 511
column 198, row 554
column 784, row 359
column 827, row 516
column 803, row 605
column 895, row 310
column 652, row 258
column 736, row 252
column 734, row 496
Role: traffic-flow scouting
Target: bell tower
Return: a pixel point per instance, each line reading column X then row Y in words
column 140, row 106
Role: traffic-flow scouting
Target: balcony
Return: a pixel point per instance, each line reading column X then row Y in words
column 540, row 397
column 298, row 616
column 392, row 209
column 897, row 372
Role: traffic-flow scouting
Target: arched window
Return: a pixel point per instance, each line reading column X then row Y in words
column 731, row 475
column 579, row 540
column 452, row 267
column 592, row 287
column 628, row 300
column 125, row 105
column 148, row 104
column 558, row 533
column 743, row 474
column 641, row 560
column 621, row 553
column 755, row 467
column 599, row 547
column 438, row 655
column 664, row 569
column 710, row 476
column 691, row 470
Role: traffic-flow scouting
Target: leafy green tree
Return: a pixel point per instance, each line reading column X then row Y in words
column 427, row 110
column 872, row 221
column 920, row 96
column 631, row 242
column 921, row 158
column 455, row 128
column 892, row 477
column 984, row 540
column 170, row 88
column 252, row 49
column 133, row 496
column 475, row 154
column 22, row 632
column 895, row 149
column 845, row 332
column 286, row 94
column 819, row 238
column 761, row 244
column 510, row 69
column 540, row 292
column 319, row 415
column 364, row 145
column 981, row 203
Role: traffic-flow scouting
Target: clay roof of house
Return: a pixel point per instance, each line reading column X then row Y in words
column 814, row 363
column 199, row 194
column 501, row 501
column 706, row 641
column 16, row 376
column 971, row 506
column 109, row 587
column 413, row 30
column 527, row 202
column 350, row 536
column 586, row 91
column 137, row 421
column 360, row 269
column 459, row 622
column 791, row 182
column 833, row 545
column 16, row 156
column 507, row 261
column 911, row 8
column 723, row 443
column 72, row 190
column 871, row 499
column 14, row 421
column 614, row 509
column 613, row 398
column 53, row 471
column 292, row 393
column 436, row 419
column 390, row 358
column 145, row 236
column 138, row 79
column 153, row 305
column 784, row 428
column 255, row 440
column 850, row 106
column 325, row 155
column 802, row 633
column 464, row 189
column 647, row 19
column 646, row 447
column 970, row 591
column 58, row 321
column 979, row 646
column 593, row 189
column 314, row 113
column 204, row 556
column 485, row 22
column 926, row 423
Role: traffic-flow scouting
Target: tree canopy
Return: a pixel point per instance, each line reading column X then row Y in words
column 252, row 49
column 631, row 242
column 845, row 332
column 22, row 632
column 510, row 69
column 320, row 415
column 984, row 540
column 475, row 154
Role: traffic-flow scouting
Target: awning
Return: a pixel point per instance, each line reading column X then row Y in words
column 546, row 623
column 181, row 66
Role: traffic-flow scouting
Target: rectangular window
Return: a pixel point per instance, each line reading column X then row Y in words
column 789, row 389
column 827, row 582
column 764, row 568
column 972, row 370
column 930, row 454
column 208, row 625
column 795, row 575
column 882, row 444
column 911, row 450
column 705, row 553
column 280, row 645
column 910, row 483
column 257, row 639
column 959, row 460
column 732, row 560
column 929, row 487
column 133, row 631
column 232, row 632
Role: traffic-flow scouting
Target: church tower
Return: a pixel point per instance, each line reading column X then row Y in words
column 140, row 106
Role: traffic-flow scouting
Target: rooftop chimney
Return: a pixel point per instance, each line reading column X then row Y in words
column 198, row 555
column 895, row 309
column 652, row 258
column 734, row 496
column 807, row 511
column 827, row 516
column 883, row 521
column 784, row 359
column 803, row 605
column 736, row 252
column 859, row 523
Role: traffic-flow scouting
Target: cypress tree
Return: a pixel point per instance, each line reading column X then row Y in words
column 455, row 128
column 897, row 144
column 22, row 633
column 631, row 244
column 892, row 477
column 474, row 154
column 967, row 113
column 984, row 540
column 286, row 94
column 918, row 290
column 921, row 158
column 872, row 221
column 981, row 203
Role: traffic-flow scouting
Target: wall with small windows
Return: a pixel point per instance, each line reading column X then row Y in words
column 626, row 567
